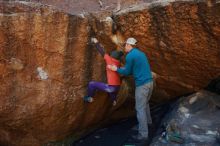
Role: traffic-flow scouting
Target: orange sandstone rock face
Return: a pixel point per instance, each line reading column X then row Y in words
column 46, row 62
column 181, row 40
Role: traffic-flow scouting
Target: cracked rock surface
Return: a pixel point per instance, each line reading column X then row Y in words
column 46, row 60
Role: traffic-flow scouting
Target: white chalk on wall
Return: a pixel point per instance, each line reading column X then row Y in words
column 42, row 74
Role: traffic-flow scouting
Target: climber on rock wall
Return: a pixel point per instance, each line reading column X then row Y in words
column 113, row 78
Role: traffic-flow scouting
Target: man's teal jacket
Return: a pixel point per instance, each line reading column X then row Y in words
column 136, row 64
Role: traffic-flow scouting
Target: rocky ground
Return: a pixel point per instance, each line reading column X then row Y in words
column 191, row 121
column 120, row 133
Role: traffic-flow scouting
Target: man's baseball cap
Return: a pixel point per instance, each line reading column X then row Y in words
column 131, row 41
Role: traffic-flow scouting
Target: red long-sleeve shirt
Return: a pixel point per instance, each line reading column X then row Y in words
column 113, row 77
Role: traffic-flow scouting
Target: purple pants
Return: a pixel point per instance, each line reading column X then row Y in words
column 110, row 89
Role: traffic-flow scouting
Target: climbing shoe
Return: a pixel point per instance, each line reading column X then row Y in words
column 88, row 99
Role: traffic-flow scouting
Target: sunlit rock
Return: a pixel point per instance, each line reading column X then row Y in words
column 47, row 60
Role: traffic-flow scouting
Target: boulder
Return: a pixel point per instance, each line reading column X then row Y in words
column 192, row 120
column 181, row 40
column 47, row 60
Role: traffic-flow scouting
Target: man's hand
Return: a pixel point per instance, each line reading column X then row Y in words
column 94, row 40
column 112, row 67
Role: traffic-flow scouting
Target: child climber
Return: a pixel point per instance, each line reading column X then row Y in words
column 113, row 78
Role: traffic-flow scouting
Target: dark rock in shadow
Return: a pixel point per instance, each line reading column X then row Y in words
column 194, row 120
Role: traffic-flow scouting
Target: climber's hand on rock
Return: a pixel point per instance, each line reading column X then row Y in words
column 94, row 40
column 112, row 67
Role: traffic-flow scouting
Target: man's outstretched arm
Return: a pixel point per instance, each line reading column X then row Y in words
column 126, row 70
